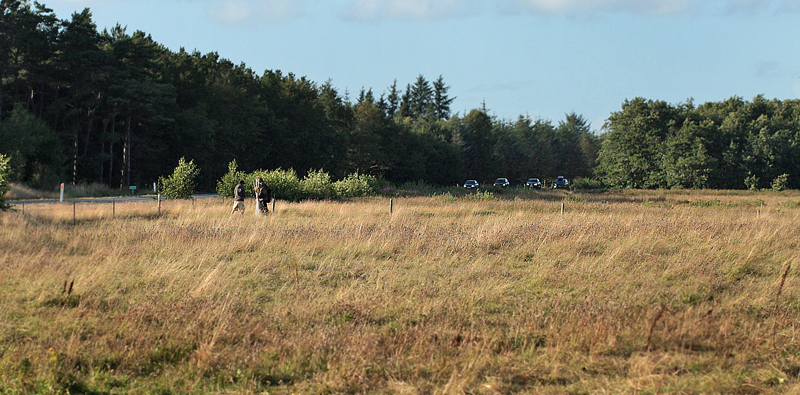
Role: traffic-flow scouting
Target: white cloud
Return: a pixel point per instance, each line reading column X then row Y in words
column 436, row 9
column 241, row 11
column 657, row 7
column 409, row 9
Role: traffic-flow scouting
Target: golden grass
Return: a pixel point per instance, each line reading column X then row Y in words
column 626, row 292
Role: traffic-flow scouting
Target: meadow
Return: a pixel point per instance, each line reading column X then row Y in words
column 622, row 292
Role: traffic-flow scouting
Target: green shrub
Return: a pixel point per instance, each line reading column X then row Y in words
column 780, row 182
column 230, row 179
column 446, row 197
column 317, row 185
column 588, row 184
column 284, row 183
column 355, row 185
column 5, row 179
column 751, row 182
column 480, row 196
column 181, row 184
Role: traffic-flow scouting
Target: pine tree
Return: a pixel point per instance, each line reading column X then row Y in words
column 421, row 98
column 441, row 102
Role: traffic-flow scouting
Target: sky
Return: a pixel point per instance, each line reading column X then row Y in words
column 535, row 58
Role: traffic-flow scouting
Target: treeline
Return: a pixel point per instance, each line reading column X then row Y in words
column 84, row 106
column 732, row 144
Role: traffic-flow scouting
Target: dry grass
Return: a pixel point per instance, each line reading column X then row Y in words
column 626, row 292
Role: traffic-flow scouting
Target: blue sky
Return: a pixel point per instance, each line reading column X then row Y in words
column 541, row 58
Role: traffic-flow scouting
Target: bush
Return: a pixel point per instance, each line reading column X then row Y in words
column 230, row 179
column 5, row 179
column 751, row 182
column 480, row 196
column 355, row 185
column 34, row 150
column 181, row 184
column 587, row 183
column 284, row 183
column 780, row 182
column 317, row 185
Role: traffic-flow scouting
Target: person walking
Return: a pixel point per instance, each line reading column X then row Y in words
column 238, row 197
column 263, row 196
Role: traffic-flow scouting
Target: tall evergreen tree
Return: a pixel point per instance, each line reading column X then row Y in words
column 441, row 102
column 478, row 144
column 570, row 135
column 421, row 98
column 392, row 100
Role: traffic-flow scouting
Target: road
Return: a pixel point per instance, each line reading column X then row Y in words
column 121, row 199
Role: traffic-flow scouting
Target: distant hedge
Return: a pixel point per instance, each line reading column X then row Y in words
column 286, row 185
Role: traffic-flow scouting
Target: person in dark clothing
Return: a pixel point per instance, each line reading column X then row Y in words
column 263, row 196
column 238, row 197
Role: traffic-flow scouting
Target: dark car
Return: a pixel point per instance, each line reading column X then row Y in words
column 501, row 182
column 471, row 184
column 534, row 183
column 560, row 182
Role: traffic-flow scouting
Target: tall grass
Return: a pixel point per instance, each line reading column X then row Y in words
column 622, row 293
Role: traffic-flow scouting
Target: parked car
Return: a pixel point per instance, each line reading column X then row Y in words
column 471, row 184
column 501, row 182
column 560, row 182
column 534, row 183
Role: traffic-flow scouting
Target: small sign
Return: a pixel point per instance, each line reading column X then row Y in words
column 132, row 187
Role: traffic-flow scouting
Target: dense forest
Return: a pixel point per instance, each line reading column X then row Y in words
column 87, row 106
column 732, row 144
column 120, row 109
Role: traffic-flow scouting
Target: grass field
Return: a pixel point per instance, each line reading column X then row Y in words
column 631, row 292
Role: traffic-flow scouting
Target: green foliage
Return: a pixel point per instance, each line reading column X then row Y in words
column 355, row 185
column 732, row 144
column 780, row 183
column 181, row 184
column 587, row 184
column 116, row 109
column 228, row 181
column 36, row 154
column 480, row 196
column 284, row 183
column 317, row 185
column 5, row 179
column 751, row 182
column 632, row 151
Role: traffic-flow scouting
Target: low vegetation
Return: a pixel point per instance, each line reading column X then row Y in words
column 546, row 292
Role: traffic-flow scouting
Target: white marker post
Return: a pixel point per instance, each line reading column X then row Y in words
column 61, row 199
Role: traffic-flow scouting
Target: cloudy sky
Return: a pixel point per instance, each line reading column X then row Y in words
column 541, row 58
